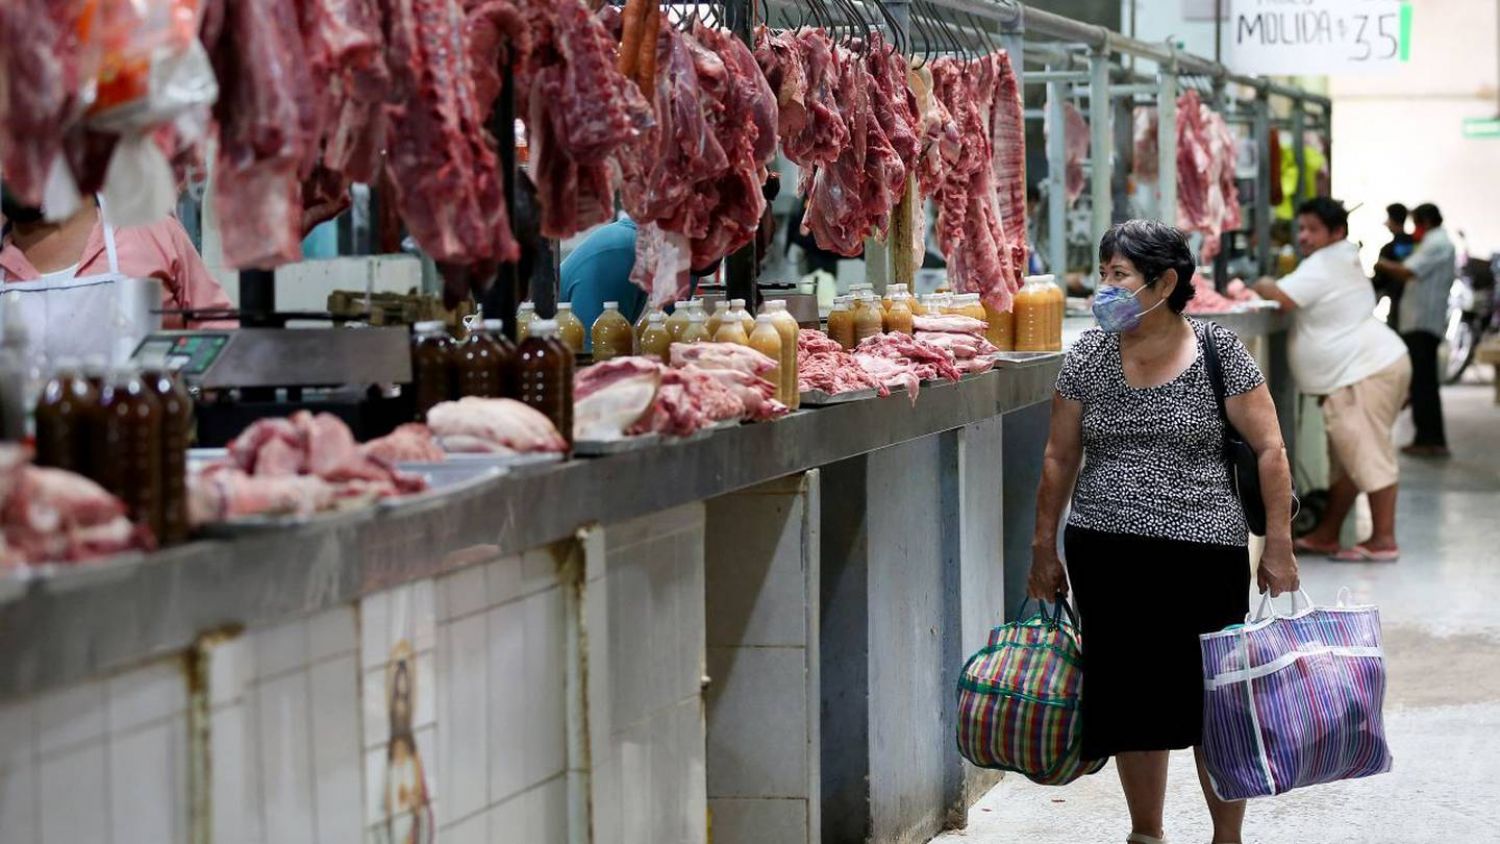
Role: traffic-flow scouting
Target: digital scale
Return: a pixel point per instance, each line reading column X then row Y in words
column 240, row 375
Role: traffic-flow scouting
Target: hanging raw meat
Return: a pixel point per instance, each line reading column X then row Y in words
column 1008, row 141
column 1076, row 142
column 46, row 69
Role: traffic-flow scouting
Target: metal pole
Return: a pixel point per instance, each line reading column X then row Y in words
column 741, row 267
column 1101, row 143
column 1263, row 176
column 1057, row 181
column 902, row 249
column 1299, row 151
column 1166, row 142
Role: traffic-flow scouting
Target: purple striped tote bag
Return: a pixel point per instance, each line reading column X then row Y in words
column 1294, row 700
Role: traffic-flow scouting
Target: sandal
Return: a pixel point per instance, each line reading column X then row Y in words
column 1361, row 554
column 1138, row 838
column 1312, row 549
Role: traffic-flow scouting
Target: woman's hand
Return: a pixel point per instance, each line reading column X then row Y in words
column 1047, row 579
column 1278, row 567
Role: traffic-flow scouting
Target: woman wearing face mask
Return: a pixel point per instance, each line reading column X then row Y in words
column 1156, row 543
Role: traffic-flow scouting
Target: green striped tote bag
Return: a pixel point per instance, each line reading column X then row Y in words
column 1018, row 700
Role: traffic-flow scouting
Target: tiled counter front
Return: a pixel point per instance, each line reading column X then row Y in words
column 433, row 711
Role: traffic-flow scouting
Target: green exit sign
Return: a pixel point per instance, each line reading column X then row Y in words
column 1482, row 127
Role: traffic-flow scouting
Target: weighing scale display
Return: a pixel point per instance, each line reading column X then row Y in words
column 190, row 354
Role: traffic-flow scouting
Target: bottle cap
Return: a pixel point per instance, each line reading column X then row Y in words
column 765, row 319
column 656, row 318
column 697, row 316
column 565, row 306
column 737, row 303
column 526, row 307
column 774, row 305
column 721, row 305
column 430, row 325
column 494, row 326
column 609, row 306
column 543, row 327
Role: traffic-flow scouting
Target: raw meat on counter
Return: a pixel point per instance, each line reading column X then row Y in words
column 928, row 361
column 409, row 443
column 949, row 324
column 706, row 383
column 1207, row 300
column 961, row 346
column 222, row 492
column 474, row 425
column 51, row 515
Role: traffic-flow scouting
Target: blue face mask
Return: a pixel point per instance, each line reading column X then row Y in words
column 1118, row 310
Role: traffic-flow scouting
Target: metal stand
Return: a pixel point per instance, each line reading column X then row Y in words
column 741, row 268
column 258, row 299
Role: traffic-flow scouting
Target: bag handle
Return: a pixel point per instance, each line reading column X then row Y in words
column 1268, row 606
column 1215, row 369
column 1060, row 606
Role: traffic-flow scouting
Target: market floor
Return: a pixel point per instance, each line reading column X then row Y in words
column 1441, row 620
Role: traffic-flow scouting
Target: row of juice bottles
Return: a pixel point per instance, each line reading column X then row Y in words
column 1034, row 323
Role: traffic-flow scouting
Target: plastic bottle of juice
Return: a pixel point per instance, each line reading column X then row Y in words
column 611, row 334
column 678, row 321
column 747, row 319
column 789, row 393
column 696, row 331
column 176, row 438
column 971, row 307
column 1059, row 312
column 899, row 317
column 916, row 305
column 867, row 318
column 1031, row 318
column 525, row 313
column 505, row 360
column 721, row 310
column 66, row 414
column 841, row 323
column 569, row 327
column 544, row 373
column 766, row 339
column 476, row 366
column 431, row 366
column 656, row 343
column 1002, row 328
column 732, row 330
column 127, row 446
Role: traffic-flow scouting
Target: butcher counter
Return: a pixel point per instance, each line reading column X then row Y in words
column 602, row 650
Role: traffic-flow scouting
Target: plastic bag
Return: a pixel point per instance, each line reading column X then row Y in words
column 152, row 66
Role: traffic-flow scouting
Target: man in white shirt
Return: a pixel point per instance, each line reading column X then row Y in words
column 1428, row 273
column 1356, row 365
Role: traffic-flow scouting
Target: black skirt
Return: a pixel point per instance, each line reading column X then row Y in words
column 1141, row 604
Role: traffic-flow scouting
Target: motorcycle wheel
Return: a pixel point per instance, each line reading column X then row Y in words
column 1314, row 502
column 1462, row 338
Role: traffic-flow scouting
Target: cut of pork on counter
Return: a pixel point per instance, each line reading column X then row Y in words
column 55, row 516
column 707, row 383
column 475, row 425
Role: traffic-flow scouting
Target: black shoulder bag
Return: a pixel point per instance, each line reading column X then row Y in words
column 1244, row 466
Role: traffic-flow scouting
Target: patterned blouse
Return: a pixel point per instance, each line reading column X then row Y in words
column 1153, row 458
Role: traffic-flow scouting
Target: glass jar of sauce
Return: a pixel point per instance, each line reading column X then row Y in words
column 431, row 366
column 611, row 334
column 544, row 374
column 67, row 412
column 176, row 439
column 128, row 447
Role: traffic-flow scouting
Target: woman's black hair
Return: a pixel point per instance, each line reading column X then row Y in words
column 1153, row 247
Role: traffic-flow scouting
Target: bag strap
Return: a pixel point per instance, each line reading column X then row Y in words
column 1215, row 369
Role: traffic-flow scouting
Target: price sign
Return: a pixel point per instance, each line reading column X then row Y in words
column 1317, row 37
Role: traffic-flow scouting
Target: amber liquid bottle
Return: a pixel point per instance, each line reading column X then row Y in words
column 611, row 334
column 128, row 447
column 176, row 439
column 476, row 365
column 544, row 375
column 431, row 366
column 67, row 413
column 505, row 361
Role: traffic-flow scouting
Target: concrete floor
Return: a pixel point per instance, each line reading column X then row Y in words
column 1440, row 608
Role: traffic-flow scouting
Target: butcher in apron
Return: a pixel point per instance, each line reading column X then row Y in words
column 78, row 310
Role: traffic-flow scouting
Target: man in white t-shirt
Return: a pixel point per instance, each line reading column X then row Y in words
column 1357, row 367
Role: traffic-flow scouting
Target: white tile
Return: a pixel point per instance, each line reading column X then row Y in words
column 601, row 705
column 70, row 717
column 502, row 580
column 423, row 621
column 758, row 723
column 337, row 758
column 235, row 785
column 638, row 808
column 546, row 704
column 280, row 649
column 143, row 695
column 17, row 733
column 472, row 830
column 73, row 803
column 463, row 723
column 286, row 758
column 375, row 786
column 375, row 703
column 375, row 629
column 231, row 670
column 18, row 800
column 461, row 593
column 424, row 690
column 332, row 633
column 508, row 822
column 746, row 821
column 549, row 813
column 146, row 801
column 506, row 700
column 539, row 570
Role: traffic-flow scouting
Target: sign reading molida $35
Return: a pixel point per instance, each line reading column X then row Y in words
column 1316, row 37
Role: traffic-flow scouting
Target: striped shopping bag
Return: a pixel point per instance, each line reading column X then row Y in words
column 1018, row 700
column 1294, row 700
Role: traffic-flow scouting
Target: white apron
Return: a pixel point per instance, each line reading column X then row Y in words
column 71, row 318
